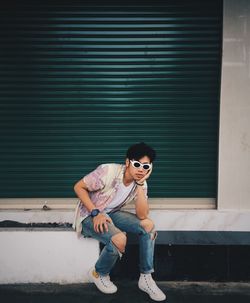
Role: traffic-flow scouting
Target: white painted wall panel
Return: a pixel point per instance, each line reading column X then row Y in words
column 234, row 141
column 45, row 256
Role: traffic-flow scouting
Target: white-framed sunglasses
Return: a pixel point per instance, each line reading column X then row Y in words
column 137, row 164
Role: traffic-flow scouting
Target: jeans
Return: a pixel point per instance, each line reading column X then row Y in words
column 122, row 222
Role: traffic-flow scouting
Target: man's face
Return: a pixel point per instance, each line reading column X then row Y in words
column 140, row 172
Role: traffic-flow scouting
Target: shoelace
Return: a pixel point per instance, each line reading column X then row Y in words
column 151, row 284
column 106, row 281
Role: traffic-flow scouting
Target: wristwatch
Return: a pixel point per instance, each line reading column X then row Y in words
column 141, row 184
column 94, row 212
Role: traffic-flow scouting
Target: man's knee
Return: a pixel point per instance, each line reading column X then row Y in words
column 120, row 240
column 147, row 224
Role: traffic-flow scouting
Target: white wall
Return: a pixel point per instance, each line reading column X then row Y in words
column 31, row 256
column 234, row 140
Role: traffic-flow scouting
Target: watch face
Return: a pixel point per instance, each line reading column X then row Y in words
column 95, row 212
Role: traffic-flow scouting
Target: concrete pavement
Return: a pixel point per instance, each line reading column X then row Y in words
column 128, row 292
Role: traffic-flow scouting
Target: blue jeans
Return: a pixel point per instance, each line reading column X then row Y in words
column 122, row 222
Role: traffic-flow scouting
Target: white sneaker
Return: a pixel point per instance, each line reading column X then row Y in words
column 103, row 283
column 147, row 284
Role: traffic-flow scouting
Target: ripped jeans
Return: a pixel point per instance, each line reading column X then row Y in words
column 122, row 222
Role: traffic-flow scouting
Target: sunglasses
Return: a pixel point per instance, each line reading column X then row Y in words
column 137, row 164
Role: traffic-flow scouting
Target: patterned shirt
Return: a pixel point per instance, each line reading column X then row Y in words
column 102, row 184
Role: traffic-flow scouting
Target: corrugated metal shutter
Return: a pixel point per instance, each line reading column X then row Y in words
column 81, row 82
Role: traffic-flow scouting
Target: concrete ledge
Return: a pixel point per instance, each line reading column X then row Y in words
column 38, row 255
column 165, row 220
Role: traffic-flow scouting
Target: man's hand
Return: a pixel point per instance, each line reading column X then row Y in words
column 141, row 181
column 100, row 223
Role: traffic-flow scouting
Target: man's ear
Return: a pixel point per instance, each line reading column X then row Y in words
column 127, row 162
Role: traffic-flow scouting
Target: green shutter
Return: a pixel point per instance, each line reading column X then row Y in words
column 81, row 82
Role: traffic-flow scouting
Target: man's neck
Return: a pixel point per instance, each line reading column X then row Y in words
column 127, row 179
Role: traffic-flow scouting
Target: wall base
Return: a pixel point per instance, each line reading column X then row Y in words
column 45, row 256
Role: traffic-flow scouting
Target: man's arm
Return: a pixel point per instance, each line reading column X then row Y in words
column 82, row 193
column 100, row 221
column 141, row 204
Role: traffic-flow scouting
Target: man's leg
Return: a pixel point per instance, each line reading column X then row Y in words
column 129, row 222
column 111, row 252
column 115, row 242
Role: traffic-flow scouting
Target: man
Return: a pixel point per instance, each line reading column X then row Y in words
column 99, row 215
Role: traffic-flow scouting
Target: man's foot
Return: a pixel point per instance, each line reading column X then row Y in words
column 147, row 284
column 103, row 283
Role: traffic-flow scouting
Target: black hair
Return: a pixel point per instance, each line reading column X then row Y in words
column 138, row 151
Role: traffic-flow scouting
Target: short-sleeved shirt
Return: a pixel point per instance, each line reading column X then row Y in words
column 103, row 184
column 122, row 193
